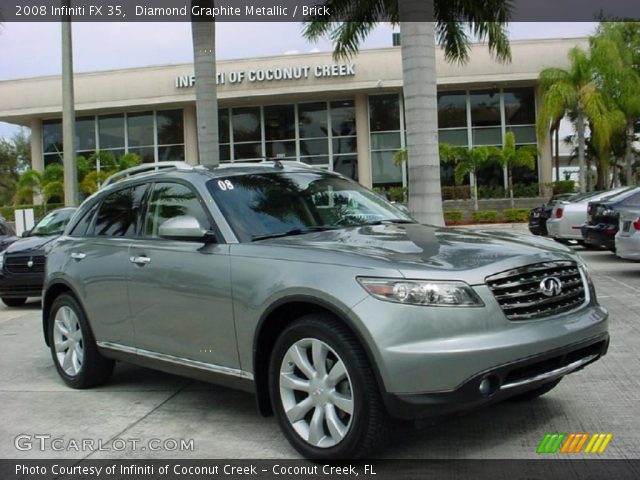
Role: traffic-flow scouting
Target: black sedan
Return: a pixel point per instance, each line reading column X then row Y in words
column 603, row 217
column 22, row 263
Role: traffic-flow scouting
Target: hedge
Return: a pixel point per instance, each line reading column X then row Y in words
column 516, row 215
column 453, row 216
column 485, row 216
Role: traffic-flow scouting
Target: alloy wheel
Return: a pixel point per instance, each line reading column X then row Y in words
column 68, row 341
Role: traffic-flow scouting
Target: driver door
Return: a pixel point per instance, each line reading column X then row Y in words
column 180, row 291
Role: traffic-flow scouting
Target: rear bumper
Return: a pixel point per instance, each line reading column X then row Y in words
column 556, row 229
column 628, row 247
column 504, row 381
column 18, row 286
column 601, row 234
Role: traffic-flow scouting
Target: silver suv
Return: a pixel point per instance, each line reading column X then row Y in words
column 332, row 305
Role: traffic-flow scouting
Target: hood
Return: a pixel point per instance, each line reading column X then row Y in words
column 7, row 240
column 29, row 244
column 414, row 248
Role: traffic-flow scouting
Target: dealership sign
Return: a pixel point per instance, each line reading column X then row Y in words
column 274, row 74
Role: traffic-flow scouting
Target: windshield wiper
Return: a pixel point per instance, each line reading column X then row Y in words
column 293, row 231
column 386, row 221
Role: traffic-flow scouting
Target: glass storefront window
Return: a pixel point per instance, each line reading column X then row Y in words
column 454, row 136
column 281, row 149
column 525, row 134
column 171, row 153
column 384, row 170
column 140, row 129
column 384, row 112
column 312, row 120
column 170, row 127
column 487, row 136
column 318, row 161
column 86, row 133
column 314, row 147
column 225, row 152
column 247, row 151
column 246, row 125
column 519, row 106
column 385, row 141
column 343, row 118
column 346, row 165
column 52, row 136
column 146, row 153
column 345, row 145
column 223, row 125
column 485, row 108
column 111, row 131
column 279, row 122
column 452, row 110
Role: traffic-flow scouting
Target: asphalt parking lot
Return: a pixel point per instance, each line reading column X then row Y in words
column 140, row 405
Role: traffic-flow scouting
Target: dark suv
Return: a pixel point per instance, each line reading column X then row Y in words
column 603, row 217
column 22, row 263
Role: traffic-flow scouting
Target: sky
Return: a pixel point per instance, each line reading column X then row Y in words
column 33, row 49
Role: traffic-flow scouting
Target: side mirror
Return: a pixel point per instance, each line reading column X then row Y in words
column 25, row 233
column 185, row 228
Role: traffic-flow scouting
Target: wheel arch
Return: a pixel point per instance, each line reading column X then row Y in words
column 54, row 291
column 275, row 319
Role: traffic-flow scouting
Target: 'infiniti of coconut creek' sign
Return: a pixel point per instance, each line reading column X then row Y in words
column 274, row 74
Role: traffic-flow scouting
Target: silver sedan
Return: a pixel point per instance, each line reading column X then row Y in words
column 628, row 237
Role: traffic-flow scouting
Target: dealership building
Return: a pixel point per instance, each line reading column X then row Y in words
column 344, row 116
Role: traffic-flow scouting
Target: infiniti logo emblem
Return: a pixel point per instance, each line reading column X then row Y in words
column 551, row 286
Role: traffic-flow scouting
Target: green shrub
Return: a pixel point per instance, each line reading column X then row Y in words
column 516, row 215
column 563, row 186
column 485, row 216
column 398, row 194
column 453, row 216
column 522, row 190
column 490, row 192
column 38, row 210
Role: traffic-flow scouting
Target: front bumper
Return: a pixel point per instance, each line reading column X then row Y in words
column 504, row 381
column 19, row 286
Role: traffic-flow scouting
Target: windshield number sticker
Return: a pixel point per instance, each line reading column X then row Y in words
column 225, row 185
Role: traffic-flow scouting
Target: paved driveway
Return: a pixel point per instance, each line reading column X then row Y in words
column 151, row 409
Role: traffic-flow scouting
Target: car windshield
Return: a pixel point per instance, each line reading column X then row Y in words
column 53, row 223
column 264, row 205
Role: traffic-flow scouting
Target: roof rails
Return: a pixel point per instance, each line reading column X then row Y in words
column 146, row 168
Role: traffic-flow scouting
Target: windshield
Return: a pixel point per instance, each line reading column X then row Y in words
column 53, row 223
column 267, row 204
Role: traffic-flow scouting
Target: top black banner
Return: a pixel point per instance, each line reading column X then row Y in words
column 302, row 10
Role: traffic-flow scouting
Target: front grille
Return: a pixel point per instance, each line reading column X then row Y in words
column 520, row 294
column 20, row 264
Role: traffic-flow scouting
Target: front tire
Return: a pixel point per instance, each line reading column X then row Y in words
column 323, row 392
column 14, row 302
column 73, row 347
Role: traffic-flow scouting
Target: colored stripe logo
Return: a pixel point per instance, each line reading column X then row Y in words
column 573, row 443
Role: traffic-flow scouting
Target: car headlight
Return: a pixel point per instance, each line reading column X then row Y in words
column 422, row 292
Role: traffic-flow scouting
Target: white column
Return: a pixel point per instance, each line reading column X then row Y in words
column 362, row 132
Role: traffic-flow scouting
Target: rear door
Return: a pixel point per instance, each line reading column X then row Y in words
column 180, row 291
column 98, row 252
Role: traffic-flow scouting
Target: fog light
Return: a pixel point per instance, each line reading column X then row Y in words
column 485, row 387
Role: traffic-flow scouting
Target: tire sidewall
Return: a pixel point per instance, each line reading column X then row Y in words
column 79, row 380
column 310, row 327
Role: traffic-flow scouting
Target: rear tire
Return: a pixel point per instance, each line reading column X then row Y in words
column 536, row 392
column 14, row 302
column 73, row 347
column 323, row 391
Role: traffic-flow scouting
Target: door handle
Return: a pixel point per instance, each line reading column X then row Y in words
column 140, row 260
column 78, row 255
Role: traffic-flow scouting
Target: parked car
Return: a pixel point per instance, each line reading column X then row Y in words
column 566, row 218
column 603, row 217
column 22, row 263
column 333, row 306
column 539, row 215
column 7, row 235
column 628, row 236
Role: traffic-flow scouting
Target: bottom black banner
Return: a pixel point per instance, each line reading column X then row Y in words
column 141, row 469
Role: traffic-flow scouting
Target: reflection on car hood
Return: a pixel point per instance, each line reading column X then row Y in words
column 30, row 243
column 419, row 246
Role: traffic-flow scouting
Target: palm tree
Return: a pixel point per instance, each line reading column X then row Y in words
column 616, row 52
column 454, row 21
column 510, row 157
column 575, row 92
column 204, row 68
column 468, row 161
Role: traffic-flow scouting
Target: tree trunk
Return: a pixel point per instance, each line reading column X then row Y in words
column 421, row 111
column 557, row 153
column 68, row 117
column 513, row 202
column 581, row 145
column 204, row 69
column 628, row 153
